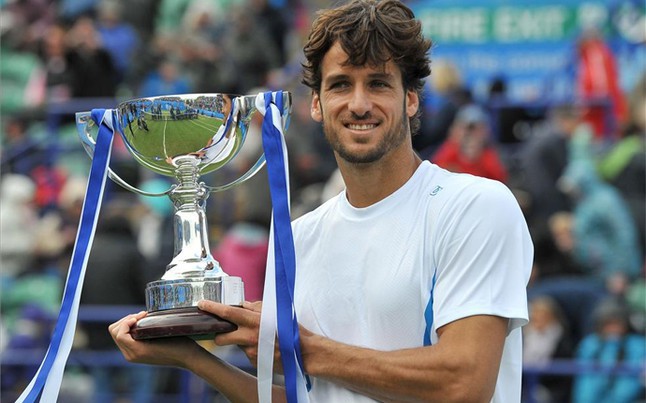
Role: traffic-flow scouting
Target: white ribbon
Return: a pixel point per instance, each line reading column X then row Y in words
column 268, row 318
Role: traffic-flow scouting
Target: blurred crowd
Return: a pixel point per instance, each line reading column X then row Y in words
column 579, row 176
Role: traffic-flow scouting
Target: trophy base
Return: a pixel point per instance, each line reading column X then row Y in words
column 172, row 307
column 191, row 322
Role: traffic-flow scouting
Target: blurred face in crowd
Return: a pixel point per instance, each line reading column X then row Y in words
column 566, row 119
column 541, row 314
column 83, row 34
column 472, row 137
column 168, row 71
column 561, row 230
column 613, row 328
column 54, row 41
column 14, row 130
column 364, row 109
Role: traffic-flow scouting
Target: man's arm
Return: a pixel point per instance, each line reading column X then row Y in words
column 462, row 367
column 182, row 352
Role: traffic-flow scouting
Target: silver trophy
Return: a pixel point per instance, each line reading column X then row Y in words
column 185, row 136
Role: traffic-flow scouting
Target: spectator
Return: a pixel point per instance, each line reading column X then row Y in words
column 553, row 244
column 468, row 148
column 59, row 71
column 21, row 71
column 25, row 22
column 605, row 235
column 624, row 165
column 60, row 225
column 174, row 14
column 597, row 82
column 200, row 48
column 543, row 158
column 93, row 70
column 21, row 153
column 154, row 227
column 166, row 80
column 272, row 20
column 447, row 94
column 545, row 338
column 18, row 226
column 118, row 38
column 611, row 344
column 115, row 279
column 243, row 253
column 141, row 15
column 250, row 55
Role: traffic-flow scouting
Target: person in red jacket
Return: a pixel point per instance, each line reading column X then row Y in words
column 597, row 85
column 468, row 148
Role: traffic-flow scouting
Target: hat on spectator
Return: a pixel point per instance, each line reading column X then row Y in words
column 471, row 114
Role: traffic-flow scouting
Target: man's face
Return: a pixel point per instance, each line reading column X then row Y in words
column 364, row 110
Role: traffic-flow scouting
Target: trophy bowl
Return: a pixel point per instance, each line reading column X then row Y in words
column 185, row 136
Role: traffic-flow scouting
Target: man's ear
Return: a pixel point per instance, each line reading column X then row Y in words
column 412, row 104
column 315, row 111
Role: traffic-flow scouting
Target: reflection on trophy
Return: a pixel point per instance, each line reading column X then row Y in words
column 185, row 136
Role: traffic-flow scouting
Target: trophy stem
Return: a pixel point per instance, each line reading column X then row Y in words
column 193, row 274
column 192, row 251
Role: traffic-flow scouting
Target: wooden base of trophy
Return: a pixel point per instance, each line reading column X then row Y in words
column 191, row 322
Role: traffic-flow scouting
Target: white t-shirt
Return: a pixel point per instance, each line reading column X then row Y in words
column 444, row 246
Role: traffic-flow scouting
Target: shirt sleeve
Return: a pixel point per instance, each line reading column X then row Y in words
column 483, row 256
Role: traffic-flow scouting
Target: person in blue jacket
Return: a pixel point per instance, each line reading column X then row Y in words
column 611, row 346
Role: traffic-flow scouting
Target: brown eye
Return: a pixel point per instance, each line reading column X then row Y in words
column 339, row 85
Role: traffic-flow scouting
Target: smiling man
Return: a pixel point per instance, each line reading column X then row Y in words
column 410, row 284
column 363, row 101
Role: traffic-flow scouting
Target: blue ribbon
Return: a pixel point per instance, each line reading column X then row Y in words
column 82, row 247
column 287, row 323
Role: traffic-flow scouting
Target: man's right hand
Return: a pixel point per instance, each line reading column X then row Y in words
column 172, row 351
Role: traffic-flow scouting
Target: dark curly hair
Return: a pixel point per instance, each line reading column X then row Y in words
column 371, row 32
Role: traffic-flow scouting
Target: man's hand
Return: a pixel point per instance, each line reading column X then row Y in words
column 235, row 384
column 247, row 318
column 173, row 351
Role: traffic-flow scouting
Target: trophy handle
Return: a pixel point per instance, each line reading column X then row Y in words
column 261, row 160
column 83, row 124
column 251, row 172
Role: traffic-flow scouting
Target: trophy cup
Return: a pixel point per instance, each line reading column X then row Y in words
column 185, row 136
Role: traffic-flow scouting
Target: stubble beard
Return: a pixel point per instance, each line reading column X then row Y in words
column 390, row 141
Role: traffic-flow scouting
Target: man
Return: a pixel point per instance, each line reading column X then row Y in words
column 544, row 157
column 469, row 149
column 410, row 285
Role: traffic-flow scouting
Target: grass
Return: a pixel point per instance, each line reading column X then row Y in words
column 170, row 138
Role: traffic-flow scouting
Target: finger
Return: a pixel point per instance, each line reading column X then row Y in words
column 255, row 306
column 129, row 320
column 252, row 355
column 243, row 336
column 136, row 316
column 237, row 315
column 123, row 328
column 118, row 323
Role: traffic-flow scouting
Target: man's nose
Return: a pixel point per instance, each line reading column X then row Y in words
column 360, row 103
